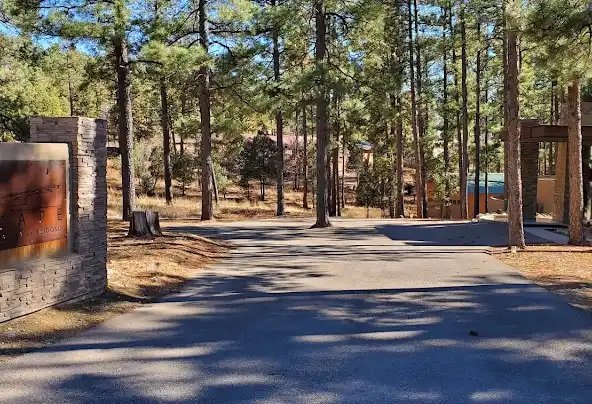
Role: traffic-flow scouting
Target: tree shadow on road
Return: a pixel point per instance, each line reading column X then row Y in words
column 245, row 331
column 239, row 339
column 454, row 234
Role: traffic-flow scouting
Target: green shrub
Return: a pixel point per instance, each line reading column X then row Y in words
column 185, row 169
column 148, row 166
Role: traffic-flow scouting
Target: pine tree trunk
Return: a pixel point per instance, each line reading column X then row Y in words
column 382, row 196
column 505, row 93
column 574, row 150
column 548, row 155
column 421, row 118
column 70, row 87
column 515, row 218
column 343, row 149
column 173, row 136
column 555, row 103
column 445, row 123
column 184, row 112
column 329, row 171
column 296, row 151
column 465, row 118
column 459, row 140
column 419, row 197
column 336, row 182
column 397, row 35
column 392, row 174
column 214, row 184
column 125, row 126
column 554, row 121
column 486, row 129
column 166, row 141
column 477, row 129
column 335, row 160
column 305, row 157
column 322, row 116
column 279, row 123
column 550, row 159
column 203, row 81
column 400, row 183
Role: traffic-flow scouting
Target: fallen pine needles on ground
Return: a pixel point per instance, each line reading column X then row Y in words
column 564, row 270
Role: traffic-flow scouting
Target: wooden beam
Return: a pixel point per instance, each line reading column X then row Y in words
column 547, row 133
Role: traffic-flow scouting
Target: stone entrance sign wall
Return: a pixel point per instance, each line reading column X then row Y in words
column 33, row 196
column 33, row 201
column 53, row 215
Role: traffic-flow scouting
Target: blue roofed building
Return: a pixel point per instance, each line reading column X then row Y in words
column 495, row 184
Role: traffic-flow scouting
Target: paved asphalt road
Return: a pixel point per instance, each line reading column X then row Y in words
column 364, row 312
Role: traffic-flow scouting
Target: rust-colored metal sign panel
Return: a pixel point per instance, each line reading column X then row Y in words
column 33, row 203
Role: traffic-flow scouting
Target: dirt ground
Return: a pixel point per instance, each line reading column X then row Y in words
column 138, row 271
column 566, row 271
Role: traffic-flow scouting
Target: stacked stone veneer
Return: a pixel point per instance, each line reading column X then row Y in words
column 29, row 286
column 529, row 167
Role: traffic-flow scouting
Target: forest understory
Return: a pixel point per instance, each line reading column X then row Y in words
column 235, row 204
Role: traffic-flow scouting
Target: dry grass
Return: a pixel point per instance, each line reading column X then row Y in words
column 563, row 270
column 181, row 207
column 233, row 208
column 360, row 212
column 185, row 208
column 138, row 270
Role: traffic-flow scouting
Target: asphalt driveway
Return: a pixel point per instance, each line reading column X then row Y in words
column 364, row 312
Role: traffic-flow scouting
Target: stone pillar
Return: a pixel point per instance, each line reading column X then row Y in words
column 87, row 139
column 561, row 198
column 529, row 162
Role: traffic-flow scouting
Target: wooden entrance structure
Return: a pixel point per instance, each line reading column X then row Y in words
column 532, row 133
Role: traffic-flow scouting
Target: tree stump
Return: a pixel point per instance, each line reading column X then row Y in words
column 144, row 224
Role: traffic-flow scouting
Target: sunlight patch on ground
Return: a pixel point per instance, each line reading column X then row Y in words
column 368, row 336
column 492, row 395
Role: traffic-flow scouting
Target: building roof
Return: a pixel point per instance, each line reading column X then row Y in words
column 365, row 145
column 495, row 183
